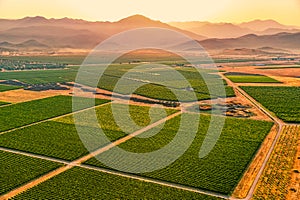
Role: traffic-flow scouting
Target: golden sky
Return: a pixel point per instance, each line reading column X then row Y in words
column 284, row 11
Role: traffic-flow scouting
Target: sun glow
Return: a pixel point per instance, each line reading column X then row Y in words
column 286, row 12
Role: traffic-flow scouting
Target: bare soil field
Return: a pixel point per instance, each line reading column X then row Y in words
column 288, row 77
column 21, row 95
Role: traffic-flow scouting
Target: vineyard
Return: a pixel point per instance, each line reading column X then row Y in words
column 160, row 87
column 275, row 181
column 40, row 76
column 282, row 101
column 17, row 115
column 249, row 78
column 60, row 138
column 18, row 169
column 115, row 71
column 221, row 170
column 109, row 186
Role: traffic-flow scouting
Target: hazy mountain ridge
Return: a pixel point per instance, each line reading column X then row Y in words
column 230, row 30
column 72, row 33
column 80, row 34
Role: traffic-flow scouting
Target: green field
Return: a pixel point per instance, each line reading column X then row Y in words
column 249, row 78
column 79, row 183
column 106, row 119
column 8, row 87
column 115, row 71
column 40, row 76
column 18, row 169
column 68, row 59
column 221, row 170
column 282, row 101
column 20, row 114
column 60, row 138
column 164, row 83
column 51, row 139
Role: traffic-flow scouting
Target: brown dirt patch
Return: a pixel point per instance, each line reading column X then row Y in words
column 21, row 95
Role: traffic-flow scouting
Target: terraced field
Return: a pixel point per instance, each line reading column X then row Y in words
column 249, row 78
column 18, row 169
column 282, row 101
column 275, row 181
column 221, row 170
column 79, row 183
column 17, row 115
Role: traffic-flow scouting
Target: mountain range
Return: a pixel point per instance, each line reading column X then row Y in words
column 230, row 30
column 39, row 33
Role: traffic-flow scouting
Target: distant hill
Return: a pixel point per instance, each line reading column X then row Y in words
column 41, row 33
column 213, row 30
column 29, row 45
column 246, row 51
column 262, row 25
column 72, row 33
column 251, row 41
column 229, row 30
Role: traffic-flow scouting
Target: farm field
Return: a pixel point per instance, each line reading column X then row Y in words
column 221, row 170
column 276, row 179
column 8, row 87
column 249, row 78
column 162, row 91
column 79, row 183
column 20, row 114
column 60, row 138
column 18, row 169
column 40, row 76
column 61, row 59
column 113, row 73
column 282, row 101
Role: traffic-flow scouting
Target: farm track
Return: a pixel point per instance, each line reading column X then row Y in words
column 279, row 123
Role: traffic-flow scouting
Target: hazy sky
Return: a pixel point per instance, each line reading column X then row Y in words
column 284, row 11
